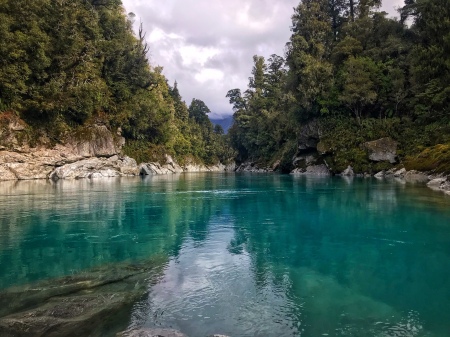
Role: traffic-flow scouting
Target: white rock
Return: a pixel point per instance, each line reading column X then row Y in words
column 400, row 173
column 348, row 172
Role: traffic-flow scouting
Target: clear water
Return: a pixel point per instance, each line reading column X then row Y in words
column 247, row 255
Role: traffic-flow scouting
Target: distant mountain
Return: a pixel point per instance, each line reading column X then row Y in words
column 225, row 122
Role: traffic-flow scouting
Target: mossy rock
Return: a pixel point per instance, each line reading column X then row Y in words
column 433, row 159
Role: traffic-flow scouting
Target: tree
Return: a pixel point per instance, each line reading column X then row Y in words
column 198, row 111
column 359, row 88
column 431, row 66
column 218, row 129
column 310, row 72
column 181, row 110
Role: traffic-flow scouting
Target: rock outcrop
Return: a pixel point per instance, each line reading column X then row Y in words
column 171, row 167
column 91, row 152
column 95, row 141
column 384, row 149
column 95, row 167
column 309, row 136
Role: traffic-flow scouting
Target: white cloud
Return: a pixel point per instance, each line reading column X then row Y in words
column 207, row 46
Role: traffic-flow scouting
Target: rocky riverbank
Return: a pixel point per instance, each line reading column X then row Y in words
column 437, row 182
column 96, row 153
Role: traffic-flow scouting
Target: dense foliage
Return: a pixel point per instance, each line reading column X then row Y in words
column 68, row 63
column 361, row 74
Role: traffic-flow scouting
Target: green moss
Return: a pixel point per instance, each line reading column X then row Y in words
column 145, row 152
column 434, row 159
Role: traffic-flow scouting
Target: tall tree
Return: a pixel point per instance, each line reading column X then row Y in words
column 310, row 72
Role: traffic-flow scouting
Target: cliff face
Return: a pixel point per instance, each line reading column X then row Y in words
column 91, row 152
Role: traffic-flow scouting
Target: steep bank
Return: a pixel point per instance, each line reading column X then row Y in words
column 93, row 153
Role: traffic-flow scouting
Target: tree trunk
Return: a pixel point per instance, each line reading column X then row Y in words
column 352, row 10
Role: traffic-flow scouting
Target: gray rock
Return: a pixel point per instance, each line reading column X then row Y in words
column 318, row 170
column 303, row 161
column 415, row 177
column 83, row 304
column 380, row 175
column 436, row 183
column 276, row 165
column 96, row 168
column 151, row 333
column 309, row 136
column 95, row 141
column 348, row 172
column 230, row 167
column 252, row 167
column 400, row 173
column 440, row 184
column 384, row 149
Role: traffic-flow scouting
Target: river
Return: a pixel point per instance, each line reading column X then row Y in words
column 244, row 255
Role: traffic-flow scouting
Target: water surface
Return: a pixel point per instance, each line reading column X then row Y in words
column 247, row 255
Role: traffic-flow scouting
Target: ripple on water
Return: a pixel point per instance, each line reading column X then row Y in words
column 269, row 256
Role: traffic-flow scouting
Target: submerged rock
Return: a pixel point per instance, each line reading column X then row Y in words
column 151, row 333
column 82, row 305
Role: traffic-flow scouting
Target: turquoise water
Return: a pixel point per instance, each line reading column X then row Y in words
column 246, row 255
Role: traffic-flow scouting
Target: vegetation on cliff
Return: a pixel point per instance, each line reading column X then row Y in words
column 361, row 75
column 67, row 64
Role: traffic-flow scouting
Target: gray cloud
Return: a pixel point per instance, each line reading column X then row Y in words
column 207, row 45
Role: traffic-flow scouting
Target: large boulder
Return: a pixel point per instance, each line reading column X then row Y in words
column 97, row 168
column 384, row 149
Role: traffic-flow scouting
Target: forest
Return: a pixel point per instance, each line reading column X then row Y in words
column 361, row 76
column 69, row 63
column 347, row 67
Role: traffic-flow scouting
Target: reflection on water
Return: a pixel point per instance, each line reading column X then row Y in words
column 250, row 255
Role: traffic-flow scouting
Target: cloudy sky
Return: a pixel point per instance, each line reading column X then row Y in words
column 207, row 45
